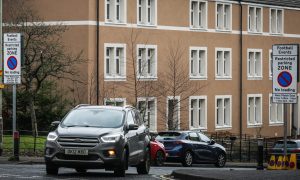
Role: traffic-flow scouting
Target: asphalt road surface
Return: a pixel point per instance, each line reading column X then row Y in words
column 37, row 171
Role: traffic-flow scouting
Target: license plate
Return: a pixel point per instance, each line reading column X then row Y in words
column 82, row 152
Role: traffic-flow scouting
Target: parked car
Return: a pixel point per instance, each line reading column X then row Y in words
column 96, row 137
column 293, row 146
column 190, row 147
column 158, row 152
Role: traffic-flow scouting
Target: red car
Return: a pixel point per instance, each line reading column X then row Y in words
column 158, row 152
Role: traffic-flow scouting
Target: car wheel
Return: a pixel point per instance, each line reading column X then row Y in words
column 80, row 170
column 51, row 169
column 159, row 158
column 188, row 159
column 144, row 167
column 221, row 160
column 120, row 170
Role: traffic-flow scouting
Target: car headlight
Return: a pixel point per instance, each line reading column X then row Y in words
column 111, row 138
column 52, row 136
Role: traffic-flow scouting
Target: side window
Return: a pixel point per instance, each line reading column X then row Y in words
column 194, row 137
column 138, row 119
column 204, row 138
column 130, row 119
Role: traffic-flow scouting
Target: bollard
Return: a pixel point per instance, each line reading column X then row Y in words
column 260, row 154
column 16, row 145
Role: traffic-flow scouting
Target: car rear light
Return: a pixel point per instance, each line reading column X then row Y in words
column 295, row 151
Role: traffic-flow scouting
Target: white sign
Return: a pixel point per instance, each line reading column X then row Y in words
column 12, row 58
column 285, row 73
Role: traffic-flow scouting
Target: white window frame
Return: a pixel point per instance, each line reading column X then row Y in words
column 255, row 30
column 205, row 112
column 145, row 8
column 270, row 64
column 255, row 76
column 197, row 76
column 123, row 12
column 223, row 97
column 277, row 31
column 204, row 25
column 147, row 99
column 275, row 121
column 115, row 100
column 167, row 112
column 223, row 28
column 114, row 76
column 222, row 76
column 147, row 76
column 255, row 124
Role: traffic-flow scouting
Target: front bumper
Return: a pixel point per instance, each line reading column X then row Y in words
column 97, row 157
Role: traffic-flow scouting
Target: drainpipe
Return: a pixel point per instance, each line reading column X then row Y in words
column 97, row 52
column 241, row 77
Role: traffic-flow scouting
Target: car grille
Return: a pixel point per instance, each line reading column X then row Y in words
column 90, row 157
column 76, row 142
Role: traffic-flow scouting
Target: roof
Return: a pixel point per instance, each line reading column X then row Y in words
column 285, row 3
column 102, row 107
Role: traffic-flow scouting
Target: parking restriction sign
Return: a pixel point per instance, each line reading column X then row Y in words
column 285, row 73
column 12, row 58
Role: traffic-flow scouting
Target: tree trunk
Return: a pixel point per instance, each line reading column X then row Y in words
column 170, row 114
column 33, row 117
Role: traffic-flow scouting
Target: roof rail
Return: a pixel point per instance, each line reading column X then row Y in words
column 80, row 105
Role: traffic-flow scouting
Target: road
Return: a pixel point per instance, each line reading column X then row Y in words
column 37, row 171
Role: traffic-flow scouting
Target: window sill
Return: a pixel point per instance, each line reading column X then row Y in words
column 198, row 28
column 254, row 125
column 224, row 30
column 254, row 78
column 146, row 78
column 276, row 124
column 223, row 128
column 115, row 23
column 199, row 128
column 254, row 32
column 276, row 34
column 114, row 78
column 198, row 77
column 147, row 25
column 223, row 78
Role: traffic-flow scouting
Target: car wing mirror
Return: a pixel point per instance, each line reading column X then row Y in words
column 55, row 124
column 132, row 127
column 212, row 142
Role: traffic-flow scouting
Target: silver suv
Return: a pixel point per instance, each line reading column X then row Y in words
column 97, row 137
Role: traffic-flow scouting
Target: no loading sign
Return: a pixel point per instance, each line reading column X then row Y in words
column 285, row 79
column 12, row 63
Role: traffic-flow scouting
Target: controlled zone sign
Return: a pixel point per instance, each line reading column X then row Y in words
column 12, row 58
column 285, row 72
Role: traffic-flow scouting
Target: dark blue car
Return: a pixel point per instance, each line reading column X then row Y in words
column 190, row 147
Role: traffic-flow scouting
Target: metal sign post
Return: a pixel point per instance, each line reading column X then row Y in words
column 285, row 78
column 12, row 75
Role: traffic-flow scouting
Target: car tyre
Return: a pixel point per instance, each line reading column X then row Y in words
column 51, row 169
column 144, row 167
column 187, row 159
column 80, row 170
column 120, row 170
column 159, row 158
column 221, row 160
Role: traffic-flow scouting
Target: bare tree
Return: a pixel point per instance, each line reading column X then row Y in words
column 45, row 55
column 175, row 86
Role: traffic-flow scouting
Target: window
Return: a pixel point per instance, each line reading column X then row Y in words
column 254, row 110
column 254, row 63
column 115, row 11
column 147, row 12
column 198, row 62
column 198, row 112
column 147, row 61
column 173, row 113
column 115, row 61
column 115, row 102
column 130, row 119
column 223, row 63
column 223, row 111
column 147, row 107
column 270, row 64
column 198, row 14
column 194, row 137
column 255, row 19
column 275, row 112
column 223, row 17
column 276, row 21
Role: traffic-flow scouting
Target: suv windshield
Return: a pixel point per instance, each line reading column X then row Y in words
column 290, row 144
column 104, row 118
